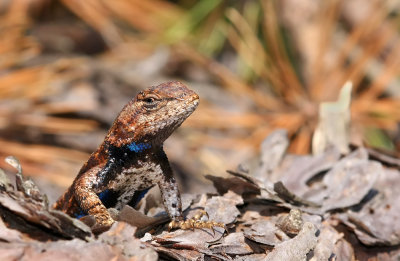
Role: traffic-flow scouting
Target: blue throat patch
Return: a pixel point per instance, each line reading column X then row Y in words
column 138, row 147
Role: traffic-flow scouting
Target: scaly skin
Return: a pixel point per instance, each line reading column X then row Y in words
column 131, row 158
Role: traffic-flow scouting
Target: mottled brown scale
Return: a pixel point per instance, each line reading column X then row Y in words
column 131, row 158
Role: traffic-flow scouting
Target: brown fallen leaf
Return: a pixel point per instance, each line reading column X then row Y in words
column 376, row 222
column 26, row 209
column 265, row 231
column 331, row 244
column 235, row 184
column 296, row 248
column 232, row 244
column 197, row 239
column 116, row 244
column 273, row 149
column 296, row 171
column 349, row 181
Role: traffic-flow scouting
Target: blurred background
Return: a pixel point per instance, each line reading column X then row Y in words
column 67, row 67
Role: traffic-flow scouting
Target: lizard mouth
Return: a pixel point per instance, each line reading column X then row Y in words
column 195, row 100
column 192, row 105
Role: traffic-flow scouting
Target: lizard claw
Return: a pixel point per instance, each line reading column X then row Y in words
column 196, row 222
column 98, row 223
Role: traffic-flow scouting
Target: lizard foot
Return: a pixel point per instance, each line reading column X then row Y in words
column 98, row 223
column 196, row 222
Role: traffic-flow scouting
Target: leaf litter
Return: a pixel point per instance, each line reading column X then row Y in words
column 262, row 223
column 288, row 207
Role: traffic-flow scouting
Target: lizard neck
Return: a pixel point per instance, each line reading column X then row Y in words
column 127, row 156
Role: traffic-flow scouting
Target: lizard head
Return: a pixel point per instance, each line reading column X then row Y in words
column 152, row 116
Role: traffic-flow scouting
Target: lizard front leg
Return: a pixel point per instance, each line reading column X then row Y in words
column 89, row 202
column 173, row 205
column 169, row 190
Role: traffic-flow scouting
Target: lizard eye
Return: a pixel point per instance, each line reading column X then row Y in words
column 149, row 100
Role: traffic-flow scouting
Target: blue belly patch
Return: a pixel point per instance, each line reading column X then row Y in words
column 80, row 214
column 137, row 196
column 103, row 196
column 108, row 198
